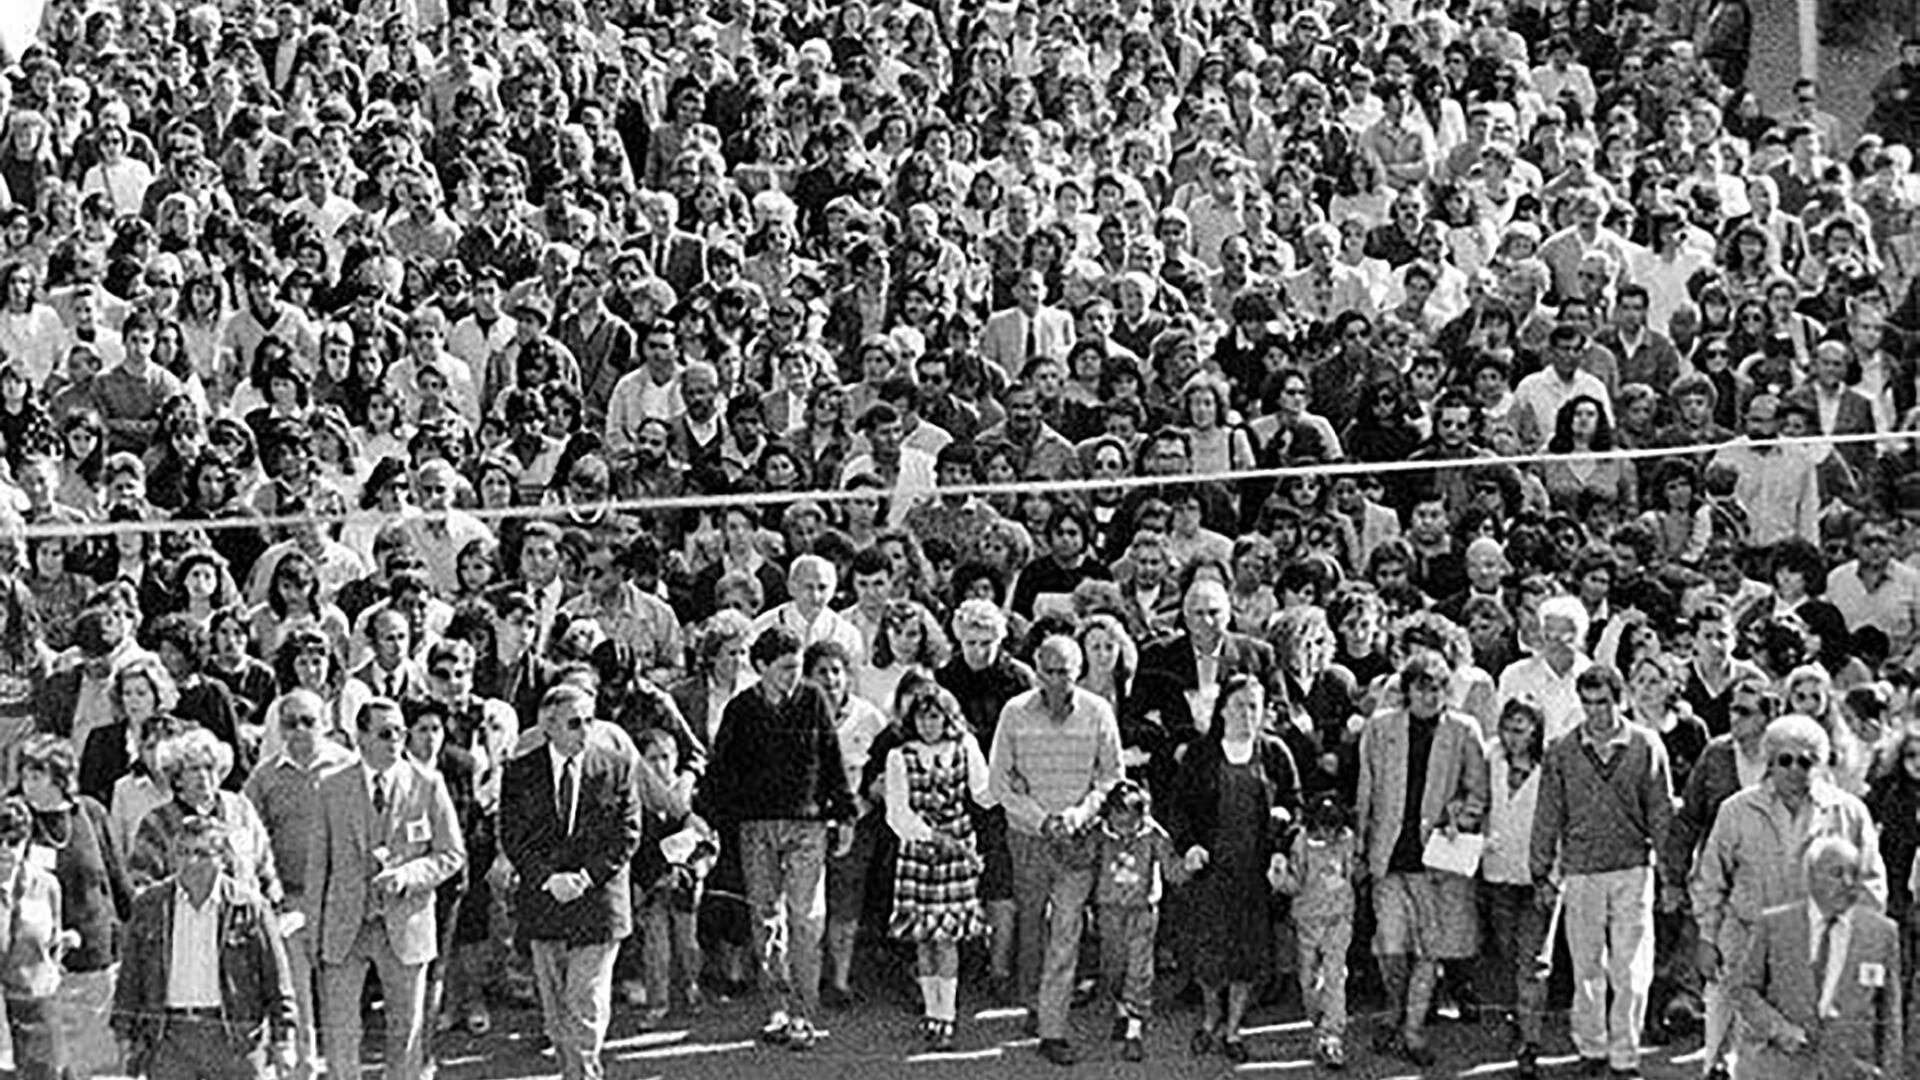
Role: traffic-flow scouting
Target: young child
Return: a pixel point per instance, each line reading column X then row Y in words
column 677, row 849
column 932, row 782
column 1319, row 875
column 1137, row 859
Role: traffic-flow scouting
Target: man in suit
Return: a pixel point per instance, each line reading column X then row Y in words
column 392, row 672
column 676, row 256
column 1819, row 991
column 385, row 838
column 1028, row 329
column 1837, row 408
column 1173, row 697
column 1427, row 759
column 569, row 824
column 217, row 1002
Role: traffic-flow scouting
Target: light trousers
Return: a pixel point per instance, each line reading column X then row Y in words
column 1609, row 920
column 1050, row 903
column 576, row 1001
column 404, row 988
column 786, row 871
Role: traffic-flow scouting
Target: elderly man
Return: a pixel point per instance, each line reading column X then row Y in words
column 1606, row 800
column 1845, row 1020
column 1750, row 862
column 1547, row 677
column 1056, row 752
column 1422, row 770
column 811, row 582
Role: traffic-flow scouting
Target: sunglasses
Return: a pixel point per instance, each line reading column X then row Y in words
column 1794, row 761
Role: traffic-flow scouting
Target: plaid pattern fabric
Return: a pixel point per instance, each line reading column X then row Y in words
column 936, row 885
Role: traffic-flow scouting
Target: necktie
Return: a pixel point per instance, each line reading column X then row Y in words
column 1821, row 957
column 565, row 795
column 1033, row 337
column 380, row 797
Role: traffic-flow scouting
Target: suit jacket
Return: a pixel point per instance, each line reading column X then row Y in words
column 1854, row 417
column 1456, row 781
column 1157, row 718
column 1776, row 986
column 1004, row 338
column 256, row 986
column 682, row 264
column 412, row 681
column 606, row 831
column 423, row 840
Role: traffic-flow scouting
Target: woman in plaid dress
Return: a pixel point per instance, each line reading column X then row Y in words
column 931, row 782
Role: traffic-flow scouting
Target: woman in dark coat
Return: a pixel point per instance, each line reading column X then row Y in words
column 1236, row 790
column 95, row 896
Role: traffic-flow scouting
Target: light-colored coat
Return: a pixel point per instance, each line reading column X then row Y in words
column 1776, row 986
column 1456, row 781
column 424, row 841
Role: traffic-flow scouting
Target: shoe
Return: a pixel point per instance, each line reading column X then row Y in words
column 1625, row 1074
column 1133, row 1050
column 1202, row 1042
column 1526, row 1064
column 1120, row 1025
column 443, row 1022
column 778, row 1029
column 802, row 1036
column 1417, row 1054
column 834, row 997
column 1595, row 1067
column 633, row 992
column 1719, row 1072
column 1059, row 1051
column 478, row 1020
column 653, row 1016
column 1234, row 1051
column 696, row 999
column 942, row 1038
column 1333, row 1053
column 1030, row 1027
column 1387, row 1043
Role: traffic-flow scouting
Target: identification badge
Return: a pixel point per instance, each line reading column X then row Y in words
column 419, row 832
column 1873, row 976
column 42, row 857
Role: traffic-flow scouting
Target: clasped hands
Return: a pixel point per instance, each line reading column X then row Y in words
column 568, row 885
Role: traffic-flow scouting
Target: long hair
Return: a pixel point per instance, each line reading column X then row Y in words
column 1562, row 441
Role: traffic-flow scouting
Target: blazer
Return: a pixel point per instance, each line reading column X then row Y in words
column 606, row 832
column 1003, row 340
column 1776, row 985
column 1456, row 782
column 256, row 986
column 1854, row 417
column 424, row 841
column 412, row 680
column 1156, row 717
column 681, row 261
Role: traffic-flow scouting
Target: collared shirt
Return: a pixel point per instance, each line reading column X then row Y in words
column 287, row 795
column 1206, row 665
column 374, row 779
column 1606, row 748
column 1752, row 860
column 829, row 625
column 1842, row 936
column 193, row 970
column 1893, row 606
column 1534, row 680
column 1778, row 488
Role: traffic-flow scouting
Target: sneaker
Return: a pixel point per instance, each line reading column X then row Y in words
column 633, row 992
column 802, row 1036
column 1059, row 1051
column 942, row 1041
column 778, row 1029
column 1333, row 1053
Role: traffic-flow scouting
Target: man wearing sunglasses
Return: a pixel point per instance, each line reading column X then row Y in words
column 1751, row 860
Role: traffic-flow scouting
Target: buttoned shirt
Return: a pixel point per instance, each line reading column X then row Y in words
column 1893, row 606
column 561, row 764
column 1534, row 680
column 193, row 969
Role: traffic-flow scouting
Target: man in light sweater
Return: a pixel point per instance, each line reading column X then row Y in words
column 1606, row 799
column 1055, row 754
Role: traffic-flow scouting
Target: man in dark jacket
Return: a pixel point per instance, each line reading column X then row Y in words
column 569, row 824
column 776, row 773
column 219, row 1017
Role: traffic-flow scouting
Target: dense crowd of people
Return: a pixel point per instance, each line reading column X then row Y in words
column 586, row 504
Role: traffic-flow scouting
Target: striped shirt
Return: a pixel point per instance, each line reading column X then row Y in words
column 1041, row 767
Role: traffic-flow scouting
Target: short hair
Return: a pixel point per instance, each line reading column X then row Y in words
column 773, row 643
column 373, row 705
column 1602, row 677
column 824, row 649
column 1794, row 728
column 1567, row 607
column 55, row 756
column 565, row 693
column 981, row 615
column 196, row 745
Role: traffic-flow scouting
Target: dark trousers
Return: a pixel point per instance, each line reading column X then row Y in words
column 37, row 1050
column 200, row 1049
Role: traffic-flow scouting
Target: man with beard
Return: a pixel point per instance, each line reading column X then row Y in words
column 1777, row 486
column 697, row 438
column 1042, row 452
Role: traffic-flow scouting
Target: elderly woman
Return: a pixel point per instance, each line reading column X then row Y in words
column 30, row 976
column 192, row 764
column 95, row 897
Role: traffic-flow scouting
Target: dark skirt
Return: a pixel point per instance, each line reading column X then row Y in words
column 1228, row 905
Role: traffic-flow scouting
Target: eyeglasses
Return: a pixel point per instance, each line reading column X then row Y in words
column 390, row 734
column 1793, row 761
column 292, row 722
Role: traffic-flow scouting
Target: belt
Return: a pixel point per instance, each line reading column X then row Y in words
column 195, row 1014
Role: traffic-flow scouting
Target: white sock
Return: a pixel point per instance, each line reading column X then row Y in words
column 930, row 995
column 949, row 997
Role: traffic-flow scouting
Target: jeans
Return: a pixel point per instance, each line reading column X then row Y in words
column 1519, row 931
column 1127, row 933
column 576, row 999
column 1323, row 972
column 786, row 870
column 1050, row 899
column 1609, row 919
column 667, row 933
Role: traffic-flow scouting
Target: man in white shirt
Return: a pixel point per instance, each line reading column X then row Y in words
column 811, row 583
column 1547, row 678
column 1778, row 486
column 1542, row 393
column 1876, row 590
column 907, row 473
column 441, row 531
